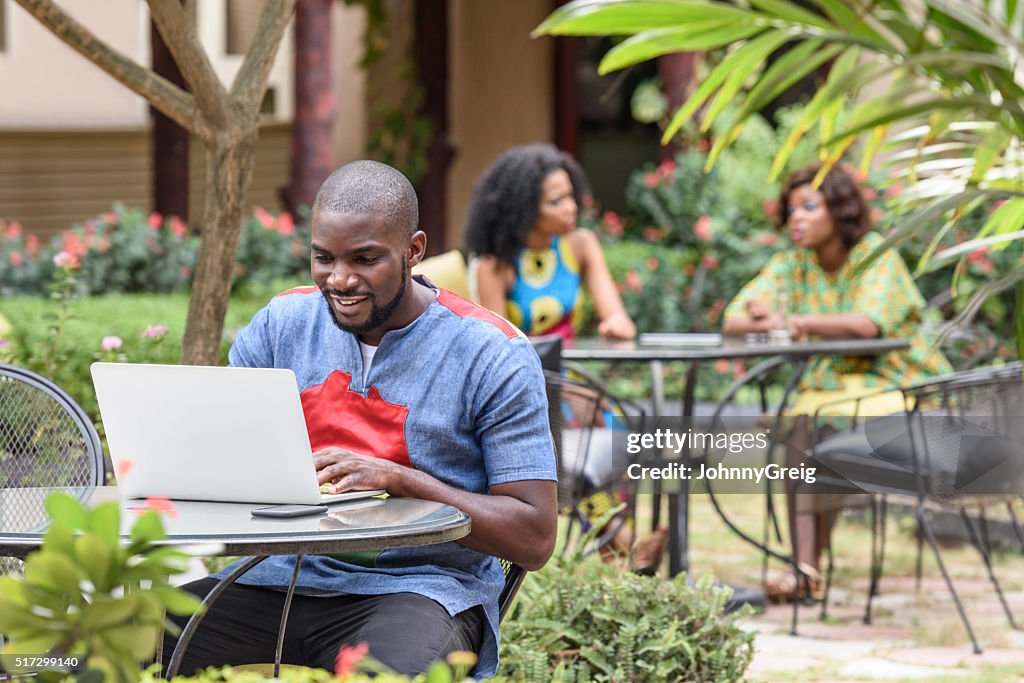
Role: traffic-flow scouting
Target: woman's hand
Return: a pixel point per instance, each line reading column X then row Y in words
column 617, row 326
column 758, row 310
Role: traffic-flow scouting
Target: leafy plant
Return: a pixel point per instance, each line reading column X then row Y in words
column 83, row 593
column 949, row 112
column 581, row 620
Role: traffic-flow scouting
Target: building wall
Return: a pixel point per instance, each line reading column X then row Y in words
column 50, row 180
column 501, row 90
column 73, row 140
column 45, row 84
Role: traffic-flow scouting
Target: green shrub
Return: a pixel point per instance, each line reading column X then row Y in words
column 585, row 620
column 127, row 250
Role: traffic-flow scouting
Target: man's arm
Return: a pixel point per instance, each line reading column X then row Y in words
column 517, row 522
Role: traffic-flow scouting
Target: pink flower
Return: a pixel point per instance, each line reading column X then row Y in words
column 632, row 281
column 869, row 194
column 63, row 259
column 123, row 468
column 709, row 261
column 348, row 657
column 161, row 506
column 13, row 230
column 111, row 343
column 876, row 214
column 770, row 208
column 4, row 343
column 766, row 239
column 653, row 234
column 893, row 191
column 16, row 259
column 31, row 244
column 613, row 223
column 651, row 179
column 104, row 244
column 263, row 216
column 109, row 217
column 89, row 228
column 73, row 244
column 666, row 168
column 702, row 228
column 978, row 255
column 155, row 331
column 178, row 227
column 651, row 263
column 722, row 366
column 155, row 220
column 286, row 224
column 703, row 145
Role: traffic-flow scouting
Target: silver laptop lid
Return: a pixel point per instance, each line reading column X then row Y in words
column 206, row 433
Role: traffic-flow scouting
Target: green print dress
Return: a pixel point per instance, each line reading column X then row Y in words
column 884, row 292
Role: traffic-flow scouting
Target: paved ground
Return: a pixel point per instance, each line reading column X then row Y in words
column 913, row 637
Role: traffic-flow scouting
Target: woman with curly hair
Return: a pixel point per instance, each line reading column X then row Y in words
column 528, row 260
column 828, row 297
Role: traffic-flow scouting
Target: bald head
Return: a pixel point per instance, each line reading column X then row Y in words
column 370, row 187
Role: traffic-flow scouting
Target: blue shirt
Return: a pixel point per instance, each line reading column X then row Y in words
column 458, row 394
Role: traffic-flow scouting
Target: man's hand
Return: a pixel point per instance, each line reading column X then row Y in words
column 345, row 470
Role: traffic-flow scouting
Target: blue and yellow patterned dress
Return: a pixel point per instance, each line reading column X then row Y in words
column 546, row 296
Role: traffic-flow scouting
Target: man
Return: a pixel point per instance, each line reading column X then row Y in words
column 406, row 388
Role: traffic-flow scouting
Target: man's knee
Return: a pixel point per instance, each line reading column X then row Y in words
column 409, row 632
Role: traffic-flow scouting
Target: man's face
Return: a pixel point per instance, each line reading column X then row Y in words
column 361, row 266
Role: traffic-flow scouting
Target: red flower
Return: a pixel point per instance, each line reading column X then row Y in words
column 666, row 168
column 652, row 263
column 869, row 194
column 977, row 255
column 632, row 281
column 893, row 191
column 766, row 239
column 16, row 259
column 651, row 179
column 613, row 223
column 285, row 224
column 155, row 220
column 178, row 227
column 689, row 269
column 32, row 244
column 702, row 228
column 73, row 244
column 722, row 366
column 263, row 216
column 653, row 234
column 876, row 214
column 13, row 230
column 709, row 261
column 348, row 657
column 770, row 208
column 109, row 217
column 703, row 146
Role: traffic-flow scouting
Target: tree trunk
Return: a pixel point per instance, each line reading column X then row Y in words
column 228, row 172
column 170, row 141
column 312, row 150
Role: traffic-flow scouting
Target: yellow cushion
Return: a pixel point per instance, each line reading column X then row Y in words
column 447, row 271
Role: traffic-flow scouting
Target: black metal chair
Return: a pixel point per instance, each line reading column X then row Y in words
column 958, row 445
column 514, row 575
column 46, row 439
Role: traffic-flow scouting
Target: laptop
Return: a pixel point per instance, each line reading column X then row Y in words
column 220, row 434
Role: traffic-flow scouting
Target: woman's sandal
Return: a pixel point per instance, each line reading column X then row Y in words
column 783, row 589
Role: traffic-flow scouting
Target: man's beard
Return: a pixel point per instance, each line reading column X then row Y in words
column 378, row 314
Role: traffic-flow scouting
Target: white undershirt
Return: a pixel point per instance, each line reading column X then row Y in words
column 367, row 351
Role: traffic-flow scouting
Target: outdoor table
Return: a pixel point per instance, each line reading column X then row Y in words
column 693, row 350
column 229, row 529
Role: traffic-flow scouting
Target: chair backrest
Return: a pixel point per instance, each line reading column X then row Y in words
column 967, row 431
column 514, row 575
column 447, row 271
column 46, row 439
column 572, row 411
column 549, row 349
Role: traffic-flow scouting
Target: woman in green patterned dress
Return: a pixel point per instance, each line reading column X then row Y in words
column 831, row 233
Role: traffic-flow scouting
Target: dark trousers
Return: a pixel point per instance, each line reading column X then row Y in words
column 405, row 631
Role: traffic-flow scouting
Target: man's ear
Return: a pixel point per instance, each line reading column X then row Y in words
column 417, row 248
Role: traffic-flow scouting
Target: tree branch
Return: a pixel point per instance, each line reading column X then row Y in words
column 251, row 81
column 158, row 91
column 180, row 37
